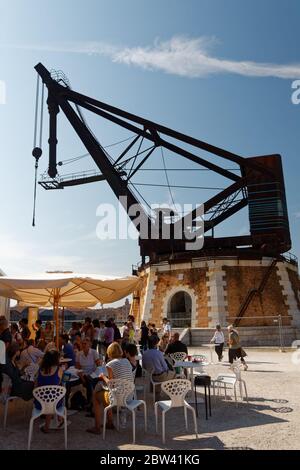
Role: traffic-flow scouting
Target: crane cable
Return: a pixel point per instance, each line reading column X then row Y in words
column 167, row 177
column 75, row 159
column 37, row 151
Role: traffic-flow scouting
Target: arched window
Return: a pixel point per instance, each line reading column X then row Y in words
column 180, row 310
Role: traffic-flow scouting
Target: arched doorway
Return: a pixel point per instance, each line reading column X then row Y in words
column 180, row 310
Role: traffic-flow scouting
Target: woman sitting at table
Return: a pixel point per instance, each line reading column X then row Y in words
column 49, row 374
column 20, row 388
column 117, row 368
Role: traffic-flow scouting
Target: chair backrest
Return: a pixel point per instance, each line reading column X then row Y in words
column 49, row 396
column 149, row 374
column 120, row 390
column 176, row 389
column 178, row 356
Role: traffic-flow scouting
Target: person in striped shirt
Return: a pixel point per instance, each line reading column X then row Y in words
column 117, row 368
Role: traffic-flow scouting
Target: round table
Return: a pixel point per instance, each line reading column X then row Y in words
column 211, row 346
column 191, row 365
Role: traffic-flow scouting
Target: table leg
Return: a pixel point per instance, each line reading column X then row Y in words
column 205, row 402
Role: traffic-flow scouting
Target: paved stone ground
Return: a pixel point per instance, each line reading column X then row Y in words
column 271, row 419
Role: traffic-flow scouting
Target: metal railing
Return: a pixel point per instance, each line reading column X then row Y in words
column 281, row 321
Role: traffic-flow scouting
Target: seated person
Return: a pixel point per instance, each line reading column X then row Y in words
column 153, row 359
column 20, row 388
column 77, row 346
column 130, row 352
column 87, row 360
column 30, row 353
column 49, row 374
column 67, row 349
column 5, row 334
column 117, row 368
column 163, row 343
column 176, row 345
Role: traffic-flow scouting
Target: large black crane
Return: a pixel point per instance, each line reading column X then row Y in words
column 260, row 185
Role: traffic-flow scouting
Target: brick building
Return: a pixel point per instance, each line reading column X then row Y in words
column 202, row 292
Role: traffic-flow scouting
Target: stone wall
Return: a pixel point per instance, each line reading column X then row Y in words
column 249, row 336
column 217, row 288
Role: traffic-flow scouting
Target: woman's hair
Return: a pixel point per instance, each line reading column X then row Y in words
column 108, row 324
column 96, row 323
column 143, row 323
column 50, row 359
column 114, row 351
column 218, row 327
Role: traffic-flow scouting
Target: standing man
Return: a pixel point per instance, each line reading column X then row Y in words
column 24, row 330
column 218, row 340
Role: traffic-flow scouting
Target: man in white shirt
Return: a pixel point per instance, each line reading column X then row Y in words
column 87, row 360
column 218, row 340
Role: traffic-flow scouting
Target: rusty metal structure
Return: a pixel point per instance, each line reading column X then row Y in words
column 259, row 186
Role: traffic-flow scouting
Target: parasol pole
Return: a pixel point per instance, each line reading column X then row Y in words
column 62, row 319
column 56, row 315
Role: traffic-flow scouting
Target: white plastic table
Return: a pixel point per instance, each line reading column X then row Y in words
column 191, row 366
column 211, row 347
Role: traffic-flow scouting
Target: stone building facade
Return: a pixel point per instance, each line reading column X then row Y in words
column 203, row 292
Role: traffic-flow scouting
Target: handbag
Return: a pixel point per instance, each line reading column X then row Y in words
column 243, row 353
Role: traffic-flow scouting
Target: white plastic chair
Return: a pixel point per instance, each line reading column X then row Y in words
column 230, row 381
column 176, row 389
column 121, row 392
column 48, row 396
column 6, row 398
column 178, row 356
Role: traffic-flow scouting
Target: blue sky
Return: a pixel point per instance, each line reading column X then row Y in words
column 219, row 71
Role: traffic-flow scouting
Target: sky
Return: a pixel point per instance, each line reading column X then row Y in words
column 220, row 71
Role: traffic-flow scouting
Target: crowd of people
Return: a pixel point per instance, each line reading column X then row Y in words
column 89, row 345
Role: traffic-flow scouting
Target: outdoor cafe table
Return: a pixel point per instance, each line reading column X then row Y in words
column 191, row 365
column 211, row 347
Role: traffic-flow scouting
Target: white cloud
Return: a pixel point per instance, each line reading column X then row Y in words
column 19, row 257
column 181, row 55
